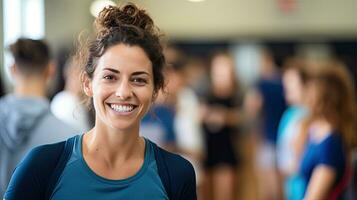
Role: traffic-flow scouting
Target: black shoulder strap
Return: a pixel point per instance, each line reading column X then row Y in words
column 65, row 155
column 176, row 174
column 163, row 170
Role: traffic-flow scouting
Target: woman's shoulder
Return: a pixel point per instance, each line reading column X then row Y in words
column 50, row 151
column 178, row 162
column 33, row 172
column 172, row 160
column 177, row 174
column 41, row 159
column 333, row 139
column 43, row 153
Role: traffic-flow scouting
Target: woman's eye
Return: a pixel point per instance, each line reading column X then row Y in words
column 108, row 77
column 139, row 80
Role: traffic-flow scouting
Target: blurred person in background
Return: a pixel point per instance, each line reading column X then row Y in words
column 265, row 104
column 196, row 76
column 294, row 79
column 220, row 118
column 180, row 97
column 158, row 124
column 174, row 115
column 68, row 105
column 187, row 123
column 329, row 131
column 25, row 117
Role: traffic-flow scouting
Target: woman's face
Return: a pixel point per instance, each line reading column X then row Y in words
column 292, row 86
column 122, row 87
column 222, row 72
column 312, row 95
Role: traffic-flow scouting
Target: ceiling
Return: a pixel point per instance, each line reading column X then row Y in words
column 219, row 19
column 254, row 18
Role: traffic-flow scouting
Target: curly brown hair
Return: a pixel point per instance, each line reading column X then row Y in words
column 129, row 25
column 335, row 100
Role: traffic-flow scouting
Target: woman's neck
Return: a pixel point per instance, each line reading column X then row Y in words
column 111, row 146
column 320, row 129
column 222, row 92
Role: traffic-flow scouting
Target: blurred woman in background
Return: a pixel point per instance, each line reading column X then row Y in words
column 330, row 132
column 220, row 120
column 294, row 80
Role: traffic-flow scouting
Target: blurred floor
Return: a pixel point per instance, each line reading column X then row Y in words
column 247, row 182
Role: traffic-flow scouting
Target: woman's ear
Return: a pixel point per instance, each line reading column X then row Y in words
column 87, row 84
column 154, row 96
column 13, row 70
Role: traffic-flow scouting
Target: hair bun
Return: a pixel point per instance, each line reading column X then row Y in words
column 126, row 15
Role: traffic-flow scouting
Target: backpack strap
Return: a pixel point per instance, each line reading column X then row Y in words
column 61, row 164
column 32, row 175
column 163, row 170
column 176, row 174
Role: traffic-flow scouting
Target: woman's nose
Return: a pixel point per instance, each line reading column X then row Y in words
column 124, row 90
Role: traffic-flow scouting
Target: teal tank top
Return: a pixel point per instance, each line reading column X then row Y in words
column 78, row 181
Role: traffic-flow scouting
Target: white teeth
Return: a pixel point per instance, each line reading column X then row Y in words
column 121, row 108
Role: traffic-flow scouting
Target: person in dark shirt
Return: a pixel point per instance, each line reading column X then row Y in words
column 265, row 104
column 220, row 118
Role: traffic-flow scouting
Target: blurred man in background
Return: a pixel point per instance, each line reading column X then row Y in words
column 25, row 117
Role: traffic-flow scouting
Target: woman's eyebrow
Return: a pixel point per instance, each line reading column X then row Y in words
column 140, row 73
column 134, row 74
column 111, row 69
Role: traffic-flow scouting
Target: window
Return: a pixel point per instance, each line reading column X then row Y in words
column 21, row 18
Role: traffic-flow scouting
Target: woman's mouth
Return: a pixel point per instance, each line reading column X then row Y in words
column 122, row 108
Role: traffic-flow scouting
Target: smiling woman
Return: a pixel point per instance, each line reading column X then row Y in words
column 121, row 76
column 123, row 92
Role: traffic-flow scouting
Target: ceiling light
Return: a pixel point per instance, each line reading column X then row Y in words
column 196, row 1
column 98, row 6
